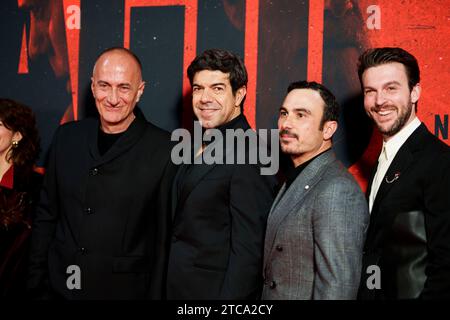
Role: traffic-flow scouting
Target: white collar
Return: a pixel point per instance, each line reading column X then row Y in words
column 394, row 144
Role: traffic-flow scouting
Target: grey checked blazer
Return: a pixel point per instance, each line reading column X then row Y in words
column 315, row 235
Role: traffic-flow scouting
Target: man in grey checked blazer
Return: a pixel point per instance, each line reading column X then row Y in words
column 317, row 224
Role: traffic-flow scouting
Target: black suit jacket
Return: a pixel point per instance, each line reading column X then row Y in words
column 409, row 231
column 218, row 230
column 106, row 214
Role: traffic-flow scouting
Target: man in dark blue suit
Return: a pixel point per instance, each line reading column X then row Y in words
column 407, row 250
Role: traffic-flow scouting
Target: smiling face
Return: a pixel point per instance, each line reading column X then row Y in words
column 299, row 123
column 213, row 100
column 117, row 86
column 388, row 99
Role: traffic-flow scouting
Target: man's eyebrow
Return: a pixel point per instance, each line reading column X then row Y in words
column 296, row 110
column 212, row 85
column 122, row 84
column 385, row 84
column 391, row 83
column 302, row 110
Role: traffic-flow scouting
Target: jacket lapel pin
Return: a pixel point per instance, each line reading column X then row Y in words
column 396, row 176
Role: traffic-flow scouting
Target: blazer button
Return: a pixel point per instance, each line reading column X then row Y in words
column 94, row 172
column 89, row 211
column 82, row 250
column 279, row 248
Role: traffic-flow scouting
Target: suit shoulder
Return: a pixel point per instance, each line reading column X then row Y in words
column 159, row 138
column 251, row 172
column 73, row 130
column 337, row 186
column 429, row 141
column 441, row 146
column 431, row 152
column 157, row 131
column 337, row 175
column 76, row 126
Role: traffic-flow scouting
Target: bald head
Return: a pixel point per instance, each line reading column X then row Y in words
column 120, row 52
column 116, row 86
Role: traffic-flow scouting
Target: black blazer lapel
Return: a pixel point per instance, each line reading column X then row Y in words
column 403, row 159
column 393, row 175
column 199, row 171
column 191, row 180
column 370, row 181
column 125, row 142
column 293, row 197
column 92, row 140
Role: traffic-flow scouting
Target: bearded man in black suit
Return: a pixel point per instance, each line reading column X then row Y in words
column 407, row 250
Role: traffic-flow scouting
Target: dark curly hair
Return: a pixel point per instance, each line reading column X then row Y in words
column 20, row 118
column 224, row 61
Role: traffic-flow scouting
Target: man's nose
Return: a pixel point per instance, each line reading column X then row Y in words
column 206, row 96
column 380, row 98
column 284, row 123
column 113, row 96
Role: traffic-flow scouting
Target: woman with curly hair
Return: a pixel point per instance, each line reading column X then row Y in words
column 19, row 189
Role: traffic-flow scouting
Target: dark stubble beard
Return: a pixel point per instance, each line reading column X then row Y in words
column 399, row 123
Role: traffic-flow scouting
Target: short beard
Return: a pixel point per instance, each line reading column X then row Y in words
column 288, row 151
column 398, row 124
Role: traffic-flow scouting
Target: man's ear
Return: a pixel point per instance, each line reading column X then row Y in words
column 92, row 87
column 239, row 96
column 415, row 93
column 329, row 128
column 140, row 90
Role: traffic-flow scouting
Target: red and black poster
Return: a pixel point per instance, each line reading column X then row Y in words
column 49, row 48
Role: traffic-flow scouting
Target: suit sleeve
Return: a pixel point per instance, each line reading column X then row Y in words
column 251, row 196
column 164, row 221
column 437, row 222
column 43, row 230
column 340, row 218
